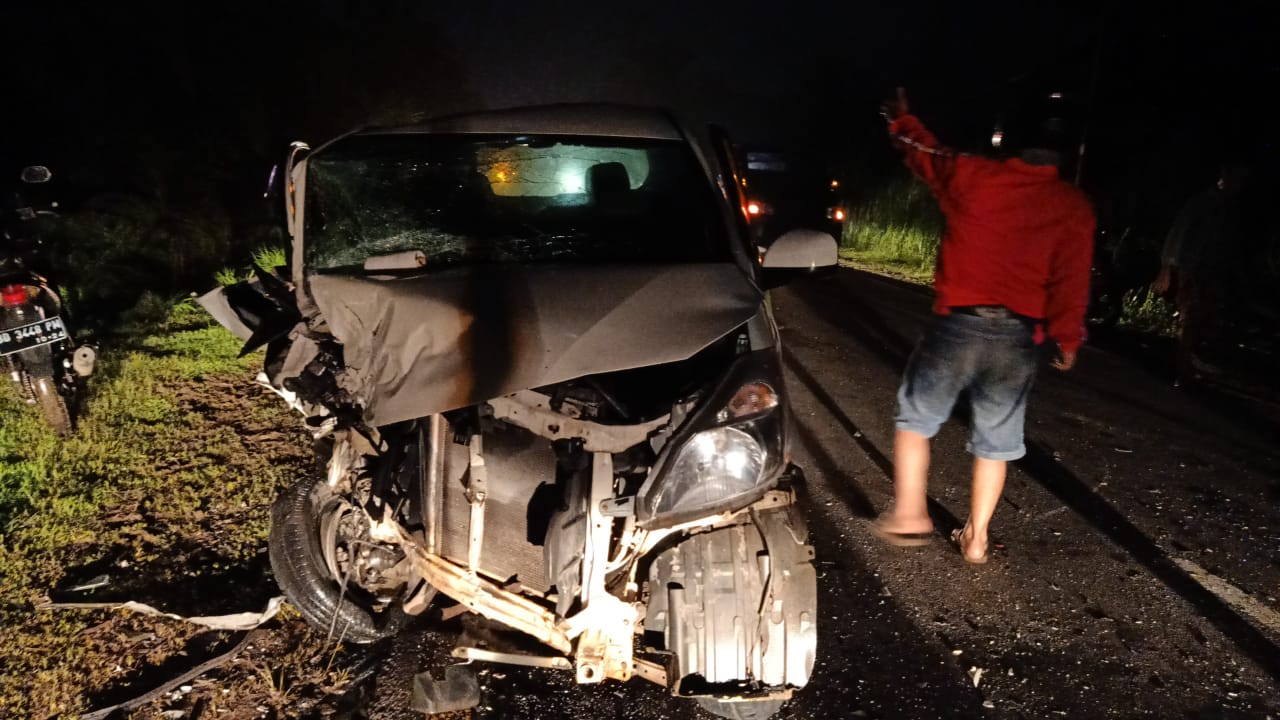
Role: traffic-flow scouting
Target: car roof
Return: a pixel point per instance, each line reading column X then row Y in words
column 590, row 119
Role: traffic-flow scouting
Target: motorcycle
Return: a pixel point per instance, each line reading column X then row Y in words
column 37, row 352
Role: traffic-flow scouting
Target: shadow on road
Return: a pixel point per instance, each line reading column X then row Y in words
column 845, row 486
column 835, row 302
column 1077, row 495
column 865, row 637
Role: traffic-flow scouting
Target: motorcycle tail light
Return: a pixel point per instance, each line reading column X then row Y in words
column 13, row 295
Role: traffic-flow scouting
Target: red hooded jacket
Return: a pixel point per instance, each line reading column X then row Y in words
column 1017, row 235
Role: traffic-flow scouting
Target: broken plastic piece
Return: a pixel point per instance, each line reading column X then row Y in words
column 460, row 690
column 98, row 582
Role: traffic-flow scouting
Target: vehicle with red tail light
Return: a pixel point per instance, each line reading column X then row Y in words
column 37, row 352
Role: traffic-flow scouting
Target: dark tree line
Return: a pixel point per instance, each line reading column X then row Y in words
column 161, row 123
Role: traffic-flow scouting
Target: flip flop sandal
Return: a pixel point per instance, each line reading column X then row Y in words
column 899, row 539
column 957, row 540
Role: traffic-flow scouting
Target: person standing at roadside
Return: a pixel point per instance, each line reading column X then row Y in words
column 1194, row 264
column 1012, row 268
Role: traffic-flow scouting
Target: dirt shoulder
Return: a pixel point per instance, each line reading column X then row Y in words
column 161, row 497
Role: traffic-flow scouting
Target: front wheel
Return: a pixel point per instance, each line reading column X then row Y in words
column 307, row 521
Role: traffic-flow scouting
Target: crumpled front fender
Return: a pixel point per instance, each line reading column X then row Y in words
column 257, row 311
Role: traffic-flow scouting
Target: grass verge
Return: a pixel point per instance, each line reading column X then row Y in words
column 165, row 490
column 901, row 271
column 897, row 228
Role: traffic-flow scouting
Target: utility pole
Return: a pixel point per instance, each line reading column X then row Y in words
column 1094, row 72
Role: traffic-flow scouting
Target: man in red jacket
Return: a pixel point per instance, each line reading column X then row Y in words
column 1013, row 267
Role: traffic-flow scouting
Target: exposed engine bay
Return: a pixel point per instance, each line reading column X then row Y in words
column 531, row 510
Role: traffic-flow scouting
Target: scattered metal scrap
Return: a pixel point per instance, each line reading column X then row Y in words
column 193, row 673
column 233, row 622
column 244, row 621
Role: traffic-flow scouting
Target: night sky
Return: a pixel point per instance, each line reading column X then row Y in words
column 114, row 93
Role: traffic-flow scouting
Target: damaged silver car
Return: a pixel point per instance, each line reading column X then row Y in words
column 537, row 349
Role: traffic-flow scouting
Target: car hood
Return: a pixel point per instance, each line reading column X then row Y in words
column 432, row 343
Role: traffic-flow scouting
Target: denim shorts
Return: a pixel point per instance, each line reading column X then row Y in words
column 992, row 361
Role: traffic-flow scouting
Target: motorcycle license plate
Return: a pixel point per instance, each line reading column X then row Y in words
column 25, row 337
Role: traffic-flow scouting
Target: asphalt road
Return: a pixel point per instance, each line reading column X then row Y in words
column 1136, row 574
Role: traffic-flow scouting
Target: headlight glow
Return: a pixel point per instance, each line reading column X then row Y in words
column 727, row 453
column 735, row 462
column 713, row 466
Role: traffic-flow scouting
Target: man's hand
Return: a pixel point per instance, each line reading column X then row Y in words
column 895, row 107
column 1065, row 360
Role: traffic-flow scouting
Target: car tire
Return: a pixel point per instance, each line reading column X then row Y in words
column 741, row 709
column 299, row 568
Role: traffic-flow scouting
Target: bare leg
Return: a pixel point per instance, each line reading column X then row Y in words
column 910, row 483
column 988, row 483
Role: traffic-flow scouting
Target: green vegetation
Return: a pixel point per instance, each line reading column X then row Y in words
column 267, row 257
column 1148, row 313
column 897, row 227
column 165, row 488
column 115, row 250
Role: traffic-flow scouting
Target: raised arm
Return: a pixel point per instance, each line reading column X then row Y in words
column 928, row 159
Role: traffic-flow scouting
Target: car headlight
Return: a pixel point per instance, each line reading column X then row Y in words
column 713, row 466
column 728, row 453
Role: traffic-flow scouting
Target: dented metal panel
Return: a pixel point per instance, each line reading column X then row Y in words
column 435, row 342
column 739, row 599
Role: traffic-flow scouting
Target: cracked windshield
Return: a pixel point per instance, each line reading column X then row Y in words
column 467, row 201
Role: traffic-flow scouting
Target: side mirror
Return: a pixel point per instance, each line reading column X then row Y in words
column 36, row 174
column 798, row 252
column 272, row 181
